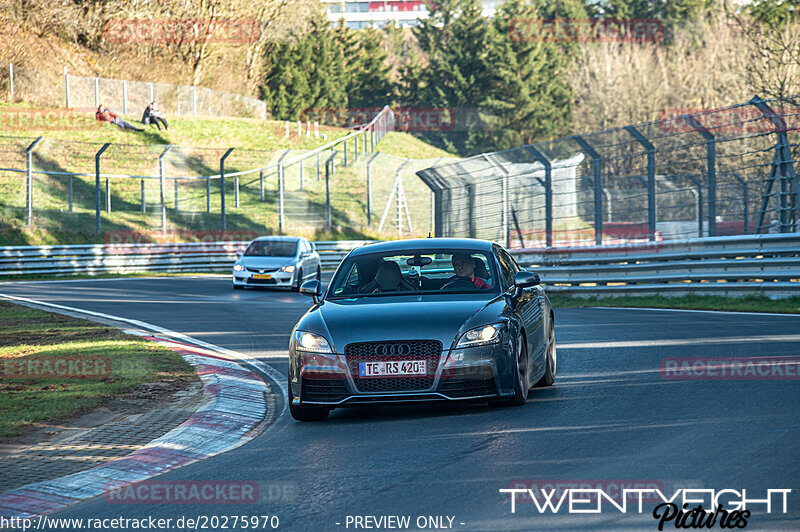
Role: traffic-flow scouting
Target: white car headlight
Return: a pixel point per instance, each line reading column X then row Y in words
column 313, row 343
column 488, row 334
column 288, row 269
column 238, row 268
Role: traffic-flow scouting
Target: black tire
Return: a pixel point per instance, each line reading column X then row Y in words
column 307, row 413
column 299, row 281
column 521, row 381
column 550, row 359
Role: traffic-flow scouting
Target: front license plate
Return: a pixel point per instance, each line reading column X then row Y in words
column 395, row 368
column 261, row 276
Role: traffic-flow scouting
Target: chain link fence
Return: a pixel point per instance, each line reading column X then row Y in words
column 129, row 97
column 344, row 187
column 691, row 174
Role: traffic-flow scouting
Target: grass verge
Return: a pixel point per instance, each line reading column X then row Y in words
column 36, row 348
column 754, row 303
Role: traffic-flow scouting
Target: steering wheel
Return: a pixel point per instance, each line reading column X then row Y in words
column 459, row 282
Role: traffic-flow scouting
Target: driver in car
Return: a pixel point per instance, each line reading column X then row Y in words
column 464, row 266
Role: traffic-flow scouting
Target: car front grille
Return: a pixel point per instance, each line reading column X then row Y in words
column 427, row 350
column 468, row 382
column 261, row 270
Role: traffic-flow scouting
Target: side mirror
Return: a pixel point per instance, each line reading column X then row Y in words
column 311, row 288
column 239, row 253
column 523, row 280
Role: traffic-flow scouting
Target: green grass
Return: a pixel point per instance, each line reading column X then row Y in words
column 29, row 335
column 258, row 144
column 754, row 303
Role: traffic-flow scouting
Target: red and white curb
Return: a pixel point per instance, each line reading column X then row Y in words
column 236, row 412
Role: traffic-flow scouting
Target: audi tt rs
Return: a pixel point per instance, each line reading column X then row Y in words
column 422, row 320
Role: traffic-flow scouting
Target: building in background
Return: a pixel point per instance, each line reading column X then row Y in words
column 359, row 14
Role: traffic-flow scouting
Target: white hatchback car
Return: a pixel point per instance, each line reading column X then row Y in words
column 286, row 261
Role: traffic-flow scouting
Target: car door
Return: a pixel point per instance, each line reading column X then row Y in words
column 528, row 309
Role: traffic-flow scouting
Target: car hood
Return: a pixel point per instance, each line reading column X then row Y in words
column 266, row 262
column 419, row 317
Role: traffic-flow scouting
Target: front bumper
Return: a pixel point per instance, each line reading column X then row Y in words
column 462, row 374
column 245, row 278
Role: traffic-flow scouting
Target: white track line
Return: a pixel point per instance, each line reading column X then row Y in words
column 268, row 370
column 754, row 313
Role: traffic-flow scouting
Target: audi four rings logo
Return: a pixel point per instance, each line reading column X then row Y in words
column 393, row 349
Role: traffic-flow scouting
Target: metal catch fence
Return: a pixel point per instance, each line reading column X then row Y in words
column 718, row 172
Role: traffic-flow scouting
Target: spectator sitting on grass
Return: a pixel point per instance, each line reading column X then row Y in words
column 152, row 116
column 103, row 114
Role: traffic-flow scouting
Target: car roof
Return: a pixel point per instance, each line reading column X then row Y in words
column 433, row 244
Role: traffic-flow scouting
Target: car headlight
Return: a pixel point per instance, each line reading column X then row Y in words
column 314, row 343
column 488, row 334
column 238, row 267
column 288, row 269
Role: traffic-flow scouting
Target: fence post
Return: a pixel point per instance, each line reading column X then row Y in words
column 66, row 86
column 162, row 188
column 328, row 174
column 263, row 110
column 369, row 190
column 175, row 186
column 317, row 167
column 150, row 92
column 281, row 190
column 236, row 192
column 144, row 207
column 355, row 150
column 344, row 145
column 261, row 183
column 711, row 172
column 124, row 96
column 505, row 225
column 208, row 195
column 301, row 174
column 11, row 80
column 548, row 193
column 597, row 186
column 699, row 207
column 69, row 191
column 96, row 91
column 222, row 187
column 744, row 198
column 108, row 195
column 97, row 186
column 29, row 182
column 651, row 179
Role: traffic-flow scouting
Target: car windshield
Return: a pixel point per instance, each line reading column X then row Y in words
column 271, row 248
column 405, row 272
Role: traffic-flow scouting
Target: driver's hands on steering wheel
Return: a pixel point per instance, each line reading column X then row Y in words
column 458, row 279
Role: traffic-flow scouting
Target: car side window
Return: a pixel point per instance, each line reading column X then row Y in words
column 508, row 268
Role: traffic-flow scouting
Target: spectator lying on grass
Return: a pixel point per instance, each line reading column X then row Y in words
column 152, row 116
column 103, row 114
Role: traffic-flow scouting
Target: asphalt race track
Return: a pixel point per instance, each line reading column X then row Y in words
column 610, row 418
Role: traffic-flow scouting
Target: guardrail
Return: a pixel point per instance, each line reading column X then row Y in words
column 128, row 258
column 735, row 265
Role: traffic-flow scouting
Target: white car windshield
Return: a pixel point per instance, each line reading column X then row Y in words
column 271, row 248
